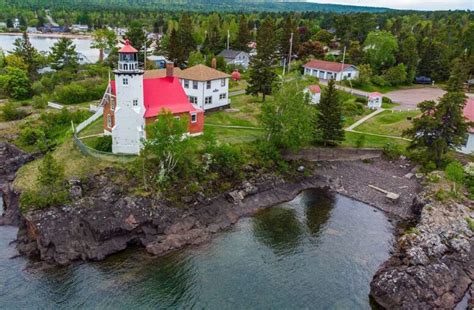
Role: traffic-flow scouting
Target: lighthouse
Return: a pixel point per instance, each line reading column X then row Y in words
column 128, row 131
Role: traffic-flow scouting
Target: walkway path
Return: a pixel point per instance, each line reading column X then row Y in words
column 237, row 92
column 364, row 119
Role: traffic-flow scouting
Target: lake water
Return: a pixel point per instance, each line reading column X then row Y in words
column 44, row 44
column 315, row 252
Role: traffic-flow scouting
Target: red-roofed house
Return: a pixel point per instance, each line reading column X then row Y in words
column 330, row 70
column 468, row 147
column 132, row 102
column 314, row 92
column 374, row 100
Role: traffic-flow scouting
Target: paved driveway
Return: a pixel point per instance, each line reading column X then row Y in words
column 409, row 98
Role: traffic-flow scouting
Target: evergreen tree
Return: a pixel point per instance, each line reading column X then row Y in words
column 212, row 42
column 243, row 35
column 355, row 55
column 434, row 60
column 408, row 55
column 173, row 46
column 136, row 34
column 330, row 123
column 63, row 55
column 458, row 76
column 261, row 66
column 185, row 39
column 289, row 27
column 30, row 56
column 51, row 173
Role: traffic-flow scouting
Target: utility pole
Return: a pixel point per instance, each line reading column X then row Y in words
column 342, row 67
column 291, row 51
column 228, row 38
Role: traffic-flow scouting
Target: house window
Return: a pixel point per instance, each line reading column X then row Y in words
column 222, row 82
column 349, row 74
column 222, row 96
column 135, row 102
column 186, row 83
column 195, row 85
column 208, row 100
column 208, row 84
column 193, row 117
column 112, row 104
column 177, row 117
column 109, row 120
column 125, row 81
column 193, row 99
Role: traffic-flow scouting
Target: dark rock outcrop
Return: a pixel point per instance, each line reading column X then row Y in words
column 433, row 266
column 11, row 159
column 106, row 220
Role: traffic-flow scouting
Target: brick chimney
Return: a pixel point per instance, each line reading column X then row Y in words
column 169, row 69
column 214, row 63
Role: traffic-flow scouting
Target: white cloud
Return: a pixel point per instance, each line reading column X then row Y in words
column 408, row 4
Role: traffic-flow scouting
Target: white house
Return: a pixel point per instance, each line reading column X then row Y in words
column 79, row 28
column 330, row 70
column 468, row 147
column 314, row 92
column 206, row 87
column 374, row 101
column 238, row 58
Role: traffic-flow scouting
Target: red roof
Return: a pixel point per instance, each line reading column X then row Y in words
column 315, row 89
column 164, row 93
column 127, row 48
column 469, row 112
column 326, row 65
column 375, row 94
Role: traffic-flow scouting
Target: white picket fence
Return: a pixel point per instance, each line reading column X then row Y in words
column 90, row 120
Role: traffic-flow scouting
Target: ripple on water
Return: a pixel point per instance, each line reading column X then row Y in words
column 317, row 251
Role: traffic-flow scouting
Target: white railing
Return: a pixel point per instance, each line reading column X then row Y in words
column 55, row 105
column 90, row 120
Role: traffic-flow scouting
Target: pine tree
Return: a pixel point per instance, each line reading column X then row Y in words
column 408, row 55
column 442, row 127
column 289, row 27
column 243, row 35
column 63, row 55
column 185, row 39
column 458, row 76
column 262, row 76
column 212, row 42
column 173, row 46
column 330, row 123
column 30, row 56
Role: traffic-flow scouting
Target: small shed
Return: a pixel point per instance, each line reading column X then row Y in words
column 315, row 93
column 374, row 100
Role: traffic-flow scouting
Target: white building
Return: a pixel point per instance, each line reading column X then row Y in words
column 129, row 129
column 468, row 147
column 238, row 58
column 16, row 23
column 314, row 92
column 374, row 101
column 206, row 87
column 79, row 28
column 330, row 70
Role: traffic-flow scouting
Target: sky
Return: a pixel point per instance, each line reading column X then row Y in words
column 408, row 4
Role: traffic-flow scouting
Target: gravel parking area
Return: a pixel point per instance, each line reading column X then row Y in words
column 409, row 98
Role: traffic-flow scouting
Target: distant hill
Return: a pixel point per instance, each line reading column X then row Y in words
column 190, row 5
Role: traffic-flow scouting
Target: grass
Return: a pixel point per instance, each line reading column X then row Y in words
column 237, row 85
column 75, row 165
column 371, row 141
column 388, row 123
column 97, row 127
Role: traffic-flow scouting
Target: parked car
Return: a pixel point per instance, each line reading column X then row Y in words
column 423, row 80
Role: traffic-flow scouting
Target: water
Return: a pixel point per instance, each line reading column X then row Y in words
column 43, row 44
column 316, row 252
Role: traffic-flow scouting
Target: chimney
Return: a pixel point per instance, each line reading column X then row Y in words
column 214, row 63
column 169, row 69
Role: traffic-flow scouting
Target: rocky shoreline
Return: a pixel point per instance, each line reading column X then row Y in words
column 433, row 263
column 432, row 267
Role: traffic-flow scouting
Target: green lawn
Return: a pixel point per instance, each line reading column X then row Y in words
column 371, row 141
column 391, row 123
column 97, row 127
column 237, row 85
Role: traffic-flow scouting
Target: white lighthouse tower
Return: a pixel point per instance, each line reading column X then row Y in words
column 129, row 129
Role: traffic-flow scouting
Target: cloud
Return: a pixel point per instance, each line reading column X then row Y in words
column 408, row 4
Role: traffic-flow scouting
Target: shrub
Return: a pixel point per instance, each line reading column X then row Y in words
column 470, row 223
column 396, row 75
column 386, row 100
column 379, row 81
column 351, row 108
column 78, row 92
column 391, row 151
column 226, row 160
column 31, row 136
column 11, row 112
column 455, row 173
column 361, row 100
column 40, row 101
column 104, row 144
